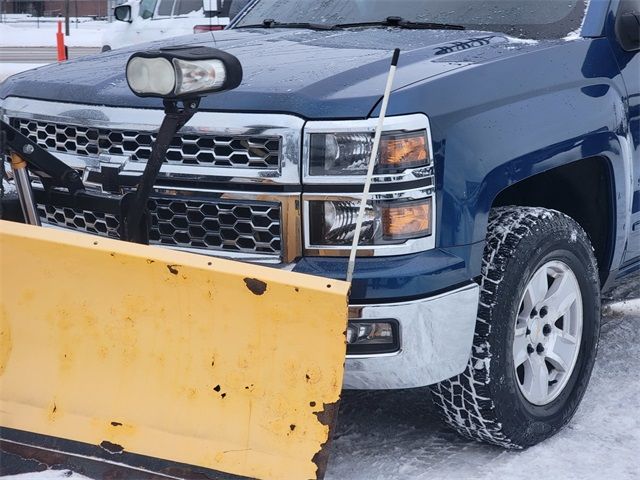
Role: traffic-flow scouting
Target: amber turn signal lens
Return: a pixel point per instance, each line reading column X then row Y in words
column 407, row 220
column 398, row 152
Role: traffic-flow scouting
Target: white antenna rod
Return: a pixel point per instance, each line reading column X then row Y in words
column 372, row 164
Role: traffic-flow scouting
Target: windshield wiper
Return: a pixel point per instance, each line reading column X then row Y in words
column 271, row 23
column 402, row 23
column 398, row 22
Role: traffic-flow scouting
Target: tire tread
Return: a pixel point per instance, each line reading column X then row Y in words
column 464, row 402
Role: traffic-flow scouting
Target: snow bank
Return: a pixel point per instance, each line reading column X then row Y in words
column 85, row 34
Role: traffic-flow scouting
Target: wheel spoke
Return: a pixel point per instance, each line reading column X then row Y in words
column 560, row 297
column 537, row 289
column 536, row 379
column 557, row 361
column 565, row 337
column 520, row 343
column 562, row 351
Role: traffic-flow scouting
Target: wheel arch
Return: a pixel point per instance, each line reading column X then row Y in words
column 584, row 190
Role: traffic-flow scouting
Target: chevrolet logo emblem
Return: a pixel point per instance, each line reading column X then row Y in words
column 106, row 176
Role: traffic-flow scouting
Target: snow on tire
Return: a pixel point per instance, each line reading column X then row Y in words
column 536, row 333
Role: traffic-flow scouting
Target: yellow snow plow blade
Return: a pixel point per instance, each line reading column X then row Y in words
column 143, row 353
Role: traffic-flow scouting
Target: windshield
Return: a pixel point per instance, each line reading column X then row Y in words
column 520, row 18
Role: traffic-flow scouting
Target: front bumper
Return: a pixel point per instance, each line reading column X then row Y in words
column 436, row 335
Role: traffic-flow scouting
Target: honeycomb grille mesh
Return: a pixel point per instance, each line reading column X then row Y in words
column 257, row 152
column 252, row 228
column 82, row 220
column 241, row 227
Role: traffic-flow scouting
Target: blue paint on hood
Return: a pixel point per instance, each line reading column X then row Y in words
column 314, row 74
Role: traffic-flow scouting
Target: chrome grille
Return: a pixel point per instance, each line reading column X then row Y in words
column 237, row 226
column 241, row 151
column 82, row 220
column 195, row 224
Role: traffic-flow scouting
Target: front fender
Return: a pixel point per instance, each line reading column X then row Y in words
column 499, row 123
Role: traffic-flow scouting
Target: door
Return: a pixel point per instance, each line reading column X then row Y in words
column 157, row 28
column 186, row 15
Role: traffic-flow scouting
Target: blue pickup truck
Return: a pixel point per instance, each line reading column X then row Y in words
column 504, row 202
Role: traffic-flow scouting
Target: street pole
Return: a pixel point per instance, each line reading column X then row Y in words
column 66, row 16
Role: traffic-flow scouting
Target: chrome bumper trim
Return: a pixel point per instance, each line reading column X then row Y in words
column 436, row 335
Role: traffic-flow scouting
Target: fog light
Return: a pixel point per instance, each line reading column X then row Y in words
column 371, row 337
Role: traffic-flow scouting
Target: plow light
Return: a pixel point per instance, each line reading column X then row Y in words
column 182, row 72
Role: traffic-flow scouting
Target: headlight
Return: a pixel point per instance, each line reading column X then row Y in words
column 182, row 72
column 333, row 223
column 348, row 153
column 399, row 216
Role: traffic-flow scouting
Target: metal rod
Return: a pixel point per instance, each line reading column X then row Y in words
column 372, row 163
column 25, row 192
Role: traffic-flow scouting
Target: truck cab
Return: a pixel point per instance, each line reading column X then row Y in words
column 504, row 201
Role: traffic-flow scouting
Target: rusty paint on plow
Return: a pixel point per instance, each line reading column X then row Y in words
column 255, row 286
column 328, row 416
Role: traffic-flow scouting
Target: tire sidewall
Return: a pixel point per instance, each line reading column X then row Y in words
column 524, row 422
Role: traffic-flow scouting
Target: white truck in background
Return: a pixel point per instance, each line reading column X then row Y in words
column 139, row 21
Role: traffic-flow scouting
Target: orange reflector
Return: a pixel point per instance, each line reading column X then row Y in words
column 407, row 220
column 403, row 151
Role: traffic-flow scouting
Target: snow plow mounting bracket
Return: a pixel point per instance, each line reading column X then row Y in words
column 132, row 206
column 48, row 167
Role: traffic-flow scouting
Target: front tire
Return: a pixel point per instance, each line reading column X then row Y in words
column 536, row 334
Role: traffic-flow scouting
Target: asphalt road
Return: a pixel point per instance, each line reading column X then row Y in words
column 40, row 54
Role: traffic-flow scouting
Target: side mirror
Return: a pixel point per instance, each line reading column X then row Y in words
column 628, row 31
column 179, row 73
column 122, row 13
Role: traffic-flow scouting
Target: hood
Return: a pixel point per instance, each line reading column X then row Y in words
column 313, row 74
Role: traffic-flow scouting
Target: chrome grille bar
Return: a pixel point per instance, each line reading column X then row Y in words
column 238, row 226
column 238, row 151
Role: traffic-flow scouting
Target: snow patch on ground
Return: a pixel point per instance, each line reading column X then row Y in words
column 30, row 34
column 47, row 475
column 396, row 435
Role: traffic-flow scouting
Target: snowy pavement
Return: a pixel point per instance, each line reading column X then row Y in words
column 41, row 54
column 396, row 435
